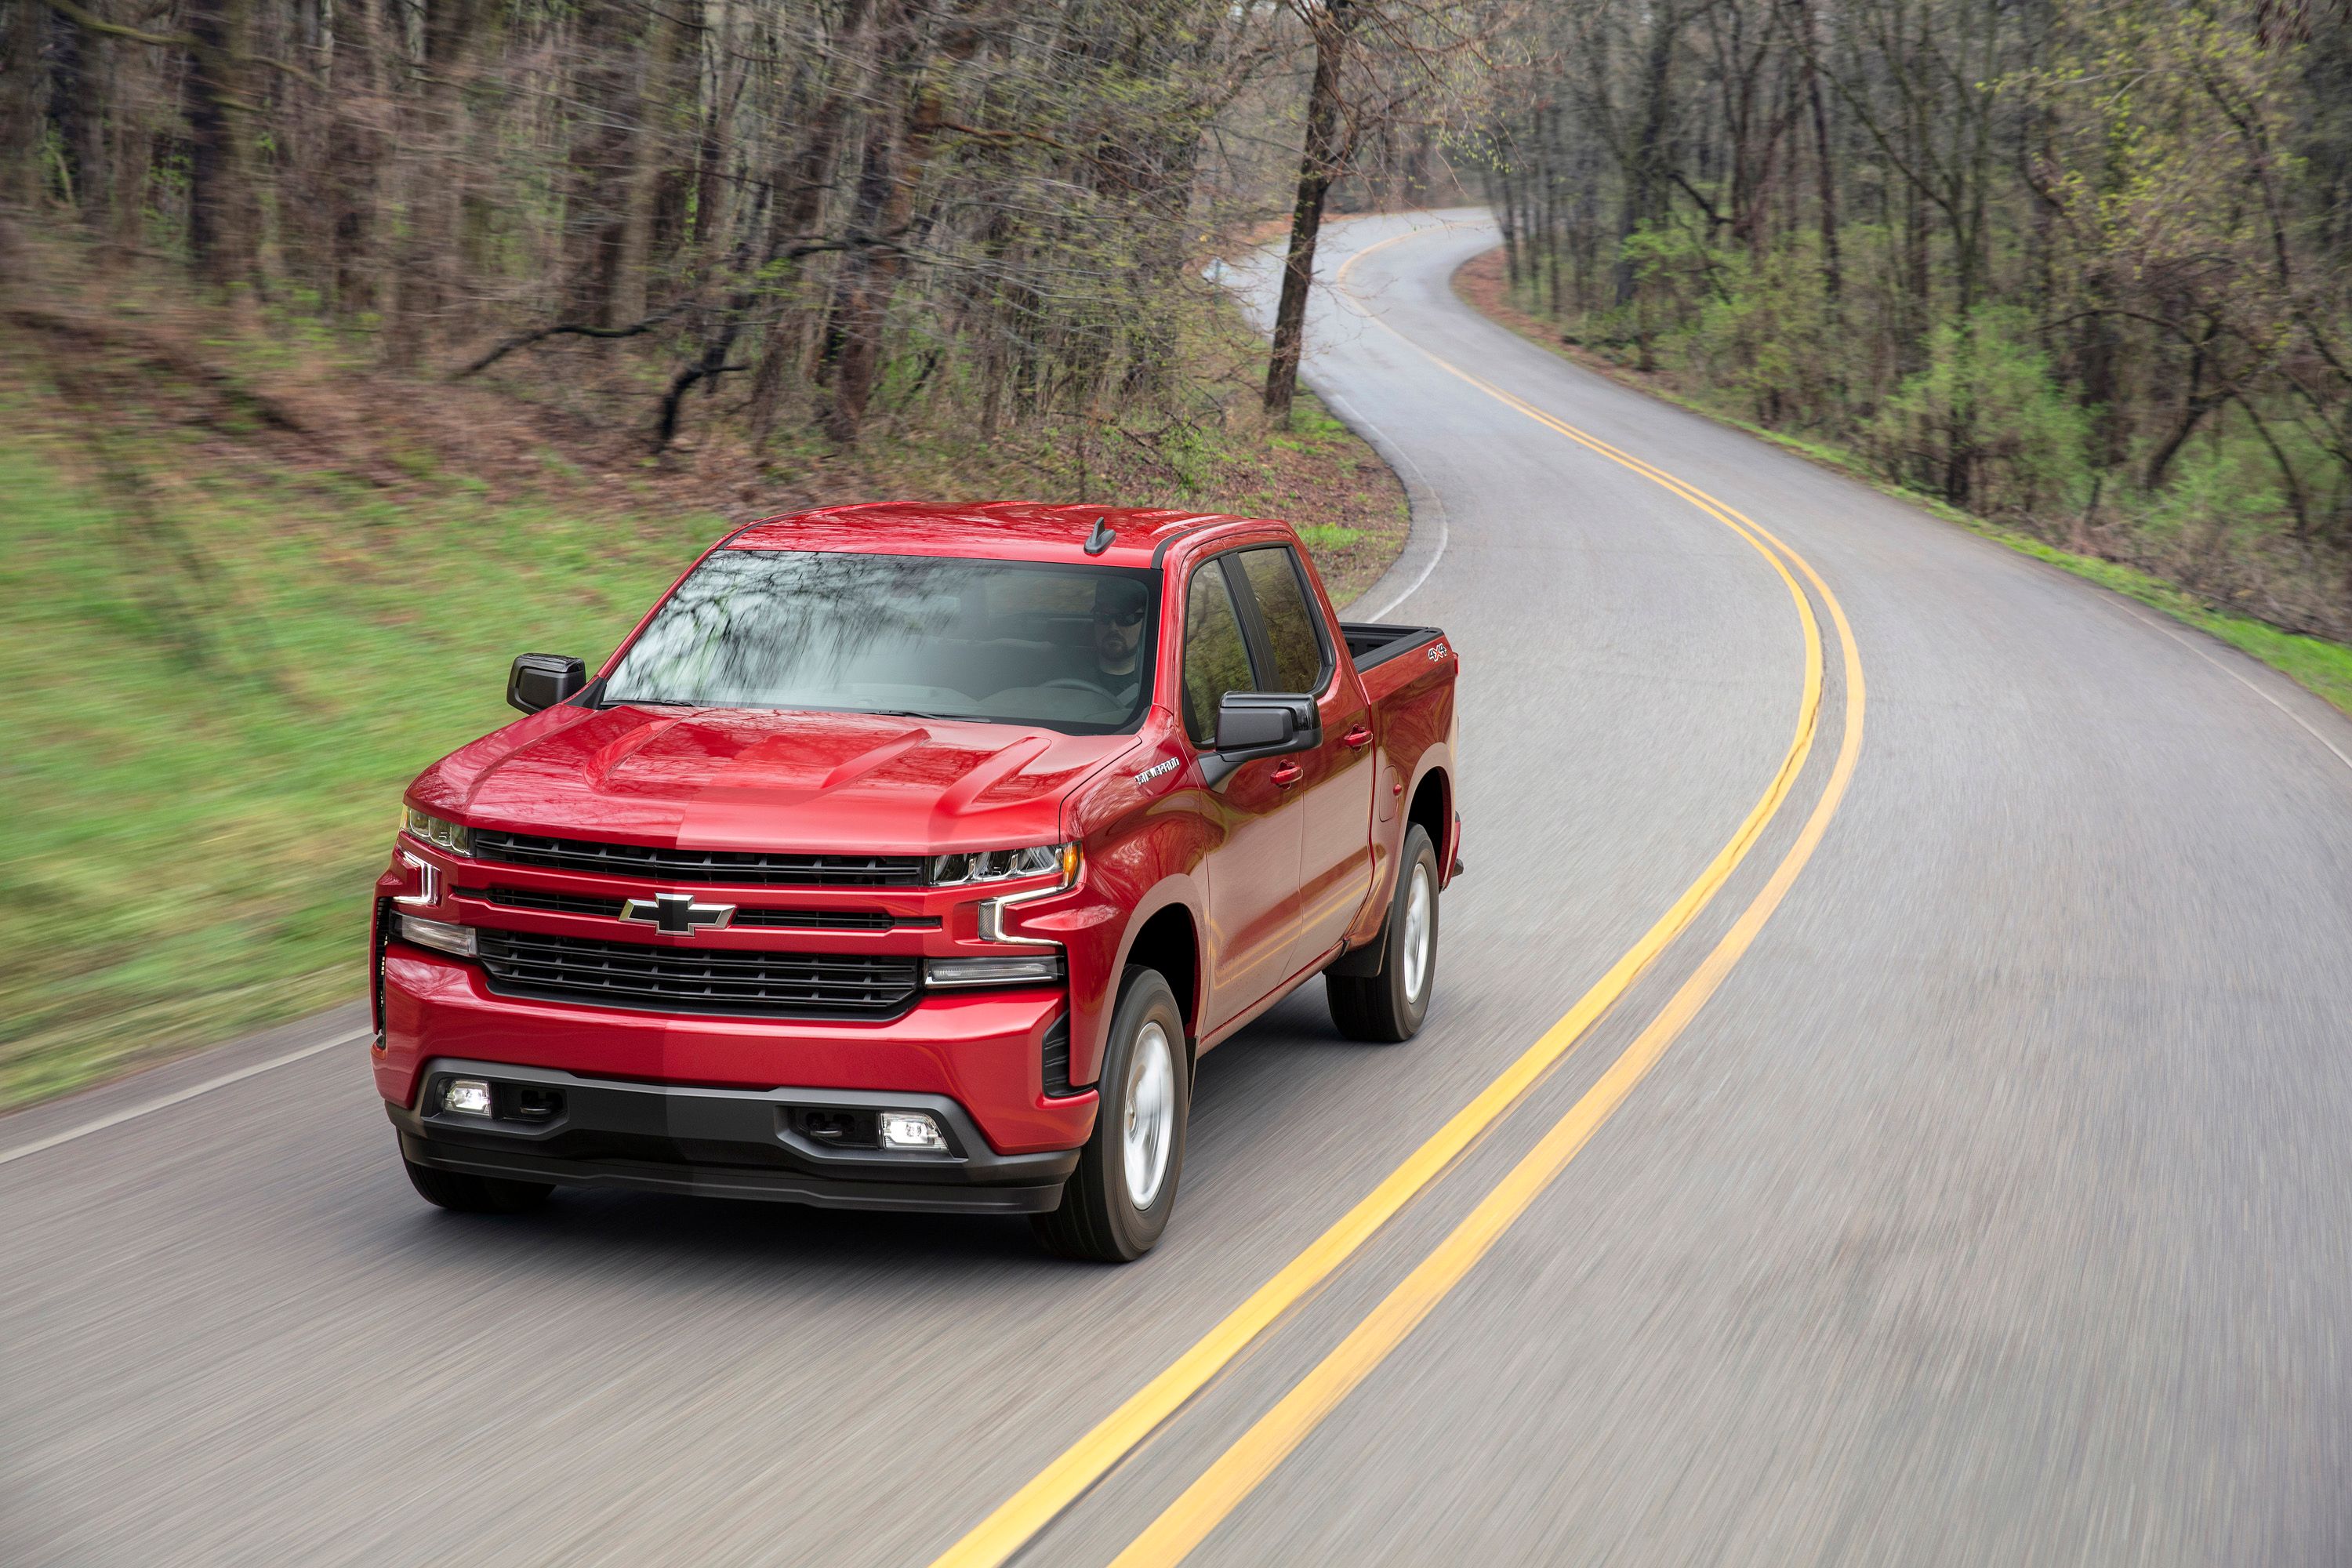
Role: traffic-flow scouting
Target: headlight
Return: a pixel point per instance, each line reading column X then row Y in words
column 1004, row 865
column 439, row 834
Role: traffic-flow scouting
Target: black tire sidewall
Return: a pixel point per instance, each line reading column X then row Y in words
column 1144, row 994
column 1411, row 1012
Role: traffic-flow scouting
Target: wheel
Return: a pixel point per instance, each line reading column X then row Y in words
column 1389, row 1005
column 1117, row 1202
column 465, row 1194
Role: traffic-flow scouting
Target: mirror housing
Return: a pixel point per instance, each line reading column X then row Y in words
column 1253, row 724
column 541, row 680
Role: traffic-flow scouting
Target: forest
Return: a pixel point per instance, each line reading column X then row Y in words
column 2079, row 266
column 803, row 211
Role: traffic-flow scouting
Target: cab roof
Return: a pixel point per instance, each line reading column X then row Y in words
column 1008, row 530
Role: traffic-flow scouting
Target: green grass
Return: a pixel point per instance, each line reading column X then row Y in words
column 191, row 839
column 1329, row 535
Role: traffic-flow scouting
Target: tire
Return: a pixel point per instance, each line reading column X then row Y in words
column 1099, row 1219
column 1389, row 1005
column 463, row 1193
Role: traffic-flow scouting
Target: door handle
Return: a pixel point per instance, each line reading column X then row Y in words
column 1357, row 738
column 1288, row 774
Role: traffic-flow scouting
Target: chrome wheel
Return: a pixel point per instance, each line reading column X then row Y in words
column 1419, row 900
column 1150, row 1114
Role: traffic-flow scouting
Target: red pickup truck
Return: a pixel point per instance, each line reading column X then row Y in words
column 907, row 857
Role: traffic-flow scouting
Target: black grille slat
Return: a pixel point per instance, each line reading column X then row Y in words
column 788, row 920
column 715, row 980
column 762, row 868
column 552, row 903
column 820, row 920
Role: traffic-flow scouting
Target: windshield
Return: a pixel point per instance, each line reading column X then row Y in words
column 934, row 637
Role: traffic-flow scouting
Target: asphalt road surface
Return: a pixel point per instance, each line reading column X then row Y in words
column 1969, row 1181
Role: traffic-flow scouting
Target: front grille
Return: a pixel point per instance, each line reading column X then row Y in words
column 714, row 980
column 788, row 920
column 672, row 863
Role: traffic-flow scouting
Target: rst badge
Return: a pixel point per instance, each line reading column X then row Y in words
column 1155, row 770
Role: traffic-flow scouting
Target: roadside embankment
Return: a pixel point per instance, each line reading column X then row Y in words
column 2322, row 666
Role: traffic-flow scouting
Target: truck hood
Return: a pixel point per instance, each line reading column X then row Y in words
column 757, row 779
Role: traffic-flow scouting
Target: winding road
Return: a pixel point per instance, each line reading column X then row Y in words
column 1888, row 1100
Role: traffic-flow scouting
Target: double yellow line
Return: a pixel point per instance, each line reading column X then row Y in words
column 1241, row 1467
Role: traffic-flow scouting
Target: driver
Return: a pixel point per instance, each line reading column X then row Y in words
column 1119, row 606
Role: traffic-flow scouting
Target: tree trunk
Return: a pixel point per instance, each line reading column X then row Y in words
column 131, row 153
column 353, row 153
column 20, row 103
column 222, row 211
column 1497, row 181
column 604, row 140
column 1646, row 167
column 423, row 273
column 1824, row 174
column 77, row 105
column 647, row 165
column 712, row 148
column 1317, row 166
column 800, row 189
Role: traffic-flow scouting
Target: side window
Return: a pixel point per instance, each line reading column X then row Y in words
column 1216, row 659
column 1290, row 620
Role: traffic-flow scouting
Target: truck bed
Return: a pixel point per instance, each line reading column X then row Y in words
column 1372, row 642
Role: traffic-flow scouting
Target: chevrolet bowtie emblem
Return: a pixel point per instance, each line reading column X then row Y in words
column 678, row 913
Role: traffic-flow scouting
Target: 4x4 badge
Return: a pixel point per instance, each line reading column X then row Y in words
column 676, row 914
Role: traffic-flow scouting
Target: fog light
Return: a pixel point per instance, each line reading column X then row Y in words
column 466, row 1097
column 913, row 1129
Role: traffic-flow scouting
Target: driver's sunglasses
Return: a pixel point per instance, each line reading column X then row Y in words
column 1118, row 617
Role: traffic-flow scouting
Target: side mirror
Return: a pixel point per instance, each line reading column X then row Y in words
column 1253, row 724
column 543, row 680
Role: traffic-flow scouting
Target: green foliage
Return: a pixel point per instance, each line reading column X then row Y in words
column 1767, row 342
column 1984, row 424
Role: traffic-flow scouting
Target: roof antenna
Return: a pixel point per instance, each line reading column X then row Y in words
column 1100, row 540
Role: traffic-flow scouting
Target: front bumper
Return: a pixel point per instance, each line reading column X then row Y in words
column 717, row 1142
column 981, row 1051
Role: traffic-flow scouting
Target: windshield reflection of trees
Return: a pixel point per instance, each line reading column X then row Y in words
column 928, row 635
